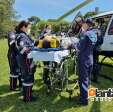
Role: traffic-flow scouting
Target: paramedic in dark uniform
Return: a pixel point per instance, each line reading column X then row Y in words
column 96, row 52
column 24, row 45
column 15, row 72
column 85, row 46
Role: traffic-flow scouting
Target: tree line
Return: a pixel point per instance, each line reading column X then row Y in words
column 7, row 16
column 8, row 20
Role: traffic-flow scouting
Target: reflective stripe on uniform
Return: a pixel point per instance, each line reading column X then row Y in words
column 14, row 76
column 18, row 37
column 23, row 50
column 16, row 41
column 84, row 87
column 22, row 79
column 25, row 84
column 13, row 41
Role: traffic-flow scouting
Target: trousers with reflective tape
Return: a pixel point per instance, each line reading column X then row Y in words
column 15, row 71
column 85, row 61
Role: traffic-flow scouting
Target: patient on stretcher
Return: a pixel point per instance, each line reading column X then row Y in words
column 49, row 42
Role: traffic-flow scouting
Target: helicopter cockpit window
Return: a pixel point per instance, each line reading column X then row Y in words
column 110, row 31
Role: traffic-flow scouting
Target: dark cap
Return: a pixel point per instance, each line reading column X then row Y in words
column 89, row 21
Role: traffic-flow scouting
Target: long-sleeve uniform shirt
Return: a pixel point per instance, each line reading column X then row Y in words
column 85, row 47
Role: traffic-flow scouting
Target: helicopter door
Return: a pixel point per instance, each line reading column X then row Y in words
column 108, row 39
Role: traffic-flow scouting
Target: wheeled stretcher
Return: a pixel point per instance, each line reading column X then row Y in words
column 55, row 66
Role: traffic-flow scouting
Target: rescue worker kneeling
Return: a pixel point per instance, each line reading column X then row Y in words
column 24, row 45
column 85, row 47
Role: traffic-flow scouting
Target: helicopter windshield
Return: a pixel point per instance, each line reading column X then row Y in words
column 101, row 23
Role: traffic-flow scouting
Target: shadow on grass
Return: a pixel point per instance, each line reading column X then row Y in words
column 12, row 101
column 4, row 89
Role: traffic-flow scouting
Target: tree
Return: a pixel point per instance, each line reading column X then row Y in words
column 7, row 15
column 89, row 14
column 56, row 26
column 34, row 19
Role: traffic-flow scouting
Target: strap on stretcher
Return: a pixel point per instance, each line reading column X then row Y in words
column 48, row 49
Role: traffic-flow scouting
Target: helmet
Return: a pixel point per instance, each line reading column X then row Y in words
column 89, row 21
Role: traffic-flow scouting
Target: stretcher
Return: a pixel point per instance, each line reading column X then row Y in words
column 48, row 54
column 55, row 66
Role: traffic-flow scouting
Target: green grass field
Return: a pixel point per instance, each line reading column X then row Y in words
column 12, row 101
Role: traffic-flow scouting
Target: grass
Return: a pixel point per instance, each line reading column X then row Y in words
column 12, row 101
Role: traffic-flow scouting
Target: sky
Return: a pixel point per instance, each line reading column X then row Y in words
column 52, row 9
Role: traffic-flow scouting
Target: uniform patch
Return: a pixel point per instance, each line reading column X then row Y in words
column 13, row 36
column 21, row 43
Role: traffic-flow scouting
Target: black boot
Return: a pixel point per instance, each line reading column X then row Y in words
column 81, row 102
column 13, row 83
